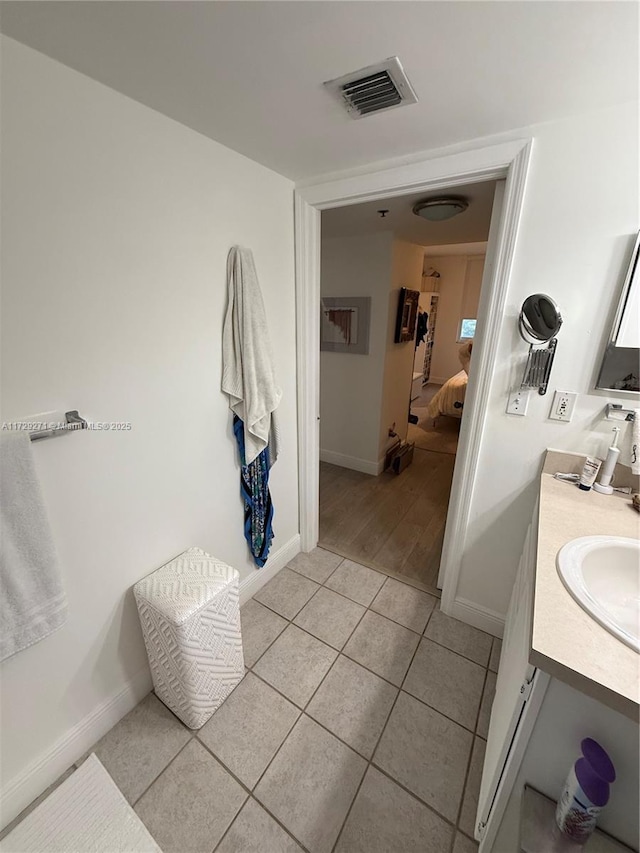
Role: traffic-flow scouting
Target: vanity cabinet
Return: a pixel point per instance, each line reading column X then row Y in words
column 537, row 723
column 564, row 718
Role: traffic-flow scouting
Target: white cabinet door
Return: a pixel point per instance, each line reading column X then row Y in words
column 511, row 717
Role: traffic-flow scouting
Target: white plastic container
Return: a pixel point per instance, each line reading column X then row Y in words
column 585, row 794
column 190, row 615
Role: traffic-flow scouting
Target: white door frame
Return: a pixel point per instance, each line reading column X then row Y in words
column 508, row 160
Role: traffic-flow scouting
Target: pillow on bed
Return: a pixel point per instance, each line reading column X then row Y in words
column 464, row 354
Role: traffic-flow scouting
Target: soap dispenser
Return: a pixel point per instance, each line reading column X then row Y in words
column 606, row 472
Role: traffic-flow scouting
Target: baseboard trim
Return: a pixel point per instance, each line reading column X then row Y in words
column 36, row 778
column 475, row 614
column 365, row 466
column 278, row 560
column 436, row 380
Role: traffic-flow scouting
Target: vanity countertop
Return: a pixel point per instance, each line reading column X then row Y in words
column 566, row 642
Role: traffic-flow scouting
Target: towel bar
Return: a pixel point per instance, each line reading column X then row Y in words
column 73, row 422
column 616, row 412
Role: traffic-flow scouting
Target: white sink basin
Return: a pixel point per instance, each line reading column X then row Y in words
column 602, row 573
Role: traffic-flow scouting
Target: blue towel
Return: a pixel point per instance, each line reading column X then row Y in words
column 254, row 488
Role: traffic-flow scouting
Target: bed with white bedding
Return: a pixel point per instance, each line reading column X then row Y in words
column 449, row 400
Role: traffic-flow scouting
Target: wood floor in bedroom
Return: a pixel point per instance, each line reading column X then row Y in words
column 392, row 523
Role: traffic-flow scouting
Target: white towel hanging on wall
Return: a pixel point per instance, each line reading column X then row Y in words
column 33, row 603
column 248, row 374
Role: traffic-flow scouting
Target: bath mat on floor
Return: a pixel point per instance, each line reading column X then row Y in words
column 85, row 814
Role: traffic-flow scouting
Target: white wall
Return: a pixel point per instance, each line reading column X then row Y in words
column 361, row 396
column 116, row 226
column 580, row 215
column 458, row 281
column 351, row 384
column 398, row 370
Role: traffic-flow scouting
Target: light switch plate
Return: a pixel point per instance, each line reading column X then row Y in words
column 564, row 403
column 518, row 403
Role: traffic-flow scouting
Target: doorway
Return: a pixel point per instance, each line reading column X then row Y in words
column 391, row 402
column 509, row 160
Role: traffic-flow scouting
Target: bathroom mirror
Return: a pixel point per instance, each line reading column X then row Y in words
column 540, row 319
column 620, row 367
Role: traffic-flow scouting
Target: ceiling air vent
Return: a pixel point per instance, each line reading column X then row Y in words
column 375, row 88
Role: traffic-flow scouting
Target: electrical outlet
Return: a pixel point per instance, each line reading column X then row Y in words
column 518, row 403
column 564, row 403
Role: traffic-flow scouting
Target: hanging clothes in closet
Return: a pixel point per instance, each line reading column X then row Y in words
column 422, row 327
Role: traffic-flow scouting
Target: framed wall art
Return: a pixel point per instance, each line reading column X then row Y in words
column 344, row 324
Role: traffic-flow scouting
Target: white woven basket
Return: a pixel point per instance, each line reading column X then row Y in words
column 190, row 615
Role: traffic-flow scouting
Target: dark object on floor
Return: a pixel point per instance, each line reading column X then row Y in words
column 413, row 419
column 403, row 458
column 391, row 451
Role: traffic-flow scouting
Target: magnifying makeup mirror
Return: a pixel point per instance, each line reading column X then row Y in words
column 540, row 319
column 539, row 323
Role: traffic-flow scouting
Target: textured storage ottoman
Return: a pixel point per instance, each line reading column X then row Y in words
column 190, row 615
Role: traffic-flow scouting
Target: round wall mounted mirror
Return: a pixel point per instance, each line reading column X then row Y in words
column 540, row 319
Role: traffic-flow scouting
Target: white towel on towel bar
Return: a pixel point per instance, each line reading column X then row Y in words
column 248, row 374
column 33, row 603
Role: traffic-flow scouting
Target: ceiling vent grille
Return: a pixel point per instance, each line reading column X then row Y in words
column 373, row 89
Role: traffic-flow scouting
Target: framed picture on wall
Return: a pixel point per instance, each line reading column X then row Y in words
column 407, row 315
column 344, row 324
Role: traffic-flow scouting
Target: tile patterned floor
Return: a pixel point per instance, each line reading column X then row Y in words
column 359, row 727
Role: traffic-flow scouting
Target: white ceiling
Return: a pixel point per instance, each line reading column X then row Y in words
column 471, row 226
column 250, row 74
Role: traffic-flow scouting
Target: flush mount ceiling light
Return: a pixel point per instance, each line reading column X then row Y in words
column 439, row 209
